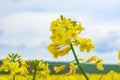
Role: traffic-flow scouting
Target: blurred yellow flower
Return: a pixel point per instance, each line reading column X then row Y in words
column 97, row 62
column 18, row 65
column 59, row 68
column 94, row 59
column 100, row 67
column 118, row 63
column 119, row 54
column 73, row 69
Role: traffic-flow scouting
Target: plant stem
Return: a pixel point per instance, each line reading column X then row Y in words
column 75, row 56
column 34, row 74
column 14, row 77
column 101, row 77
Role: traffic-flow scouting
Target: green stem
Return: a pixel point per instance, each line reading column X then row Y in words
column 34, row 74
column 101, row 77
column 75, row 56
column 14, row 77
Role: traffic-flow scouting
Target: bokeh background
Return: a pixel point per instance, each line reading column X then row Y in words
column 24, row 27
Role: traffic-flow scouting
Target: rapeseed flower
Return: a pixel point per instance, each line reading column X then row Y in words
column 119, row 55
column 40, row 69
column 73, row 69
column 119, row 58
column 59, row 68
column 97, row 62
column 100, row 67
column 65, row 32
column 14, row 64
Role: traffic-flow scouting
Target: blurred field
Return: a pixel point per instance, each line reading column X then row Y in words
column 87, row 67
column 114, row 76
column 111, row 72
column 90, row 68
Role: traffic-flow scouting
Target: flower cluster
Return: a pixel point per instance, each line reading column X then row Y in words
column 65, row 32
column 14, row 64
column 39, row 68
column 96, row 61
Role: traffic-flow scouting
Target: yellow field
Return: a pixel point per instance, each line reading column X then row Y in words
column 110, row 76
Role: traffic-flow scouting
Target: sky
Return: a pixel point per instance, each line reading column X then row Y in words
column 24, row 27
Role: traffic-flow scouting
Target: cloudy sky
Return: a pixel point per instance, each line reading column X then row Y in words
column 24, row 26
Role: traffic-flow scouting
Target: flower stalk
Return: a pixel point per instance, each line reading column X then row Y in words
column 39, row 69
column 13, row 58
column 13, row 77
column 34, row 63
column 34, row 74
column 77, row 61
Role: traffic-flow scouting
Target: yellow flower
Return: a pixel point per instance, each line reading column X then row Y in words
column 5, row 60
column 73, row 69
column 59, row 68
column 4, row 67
column 14, row 67
column 65, row 32
column 86, row 44
column 43, row 69
column 100, row 67
column 56, row 51
column 119, row 54
column 2, row 78
column 23, row 63
column 118, row 63
column 23, row 70
column 96, row 61
column 63, row 28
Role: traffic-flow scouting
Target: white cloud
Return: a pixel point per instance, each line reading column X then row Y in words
column 25, row 28
column 115, row 44
column 49, row 2
column 108, row 57
column 32, row 28
column 65, row 5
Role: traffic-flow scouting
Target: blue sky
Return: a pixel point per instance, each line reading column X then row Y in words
column 24, row 26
